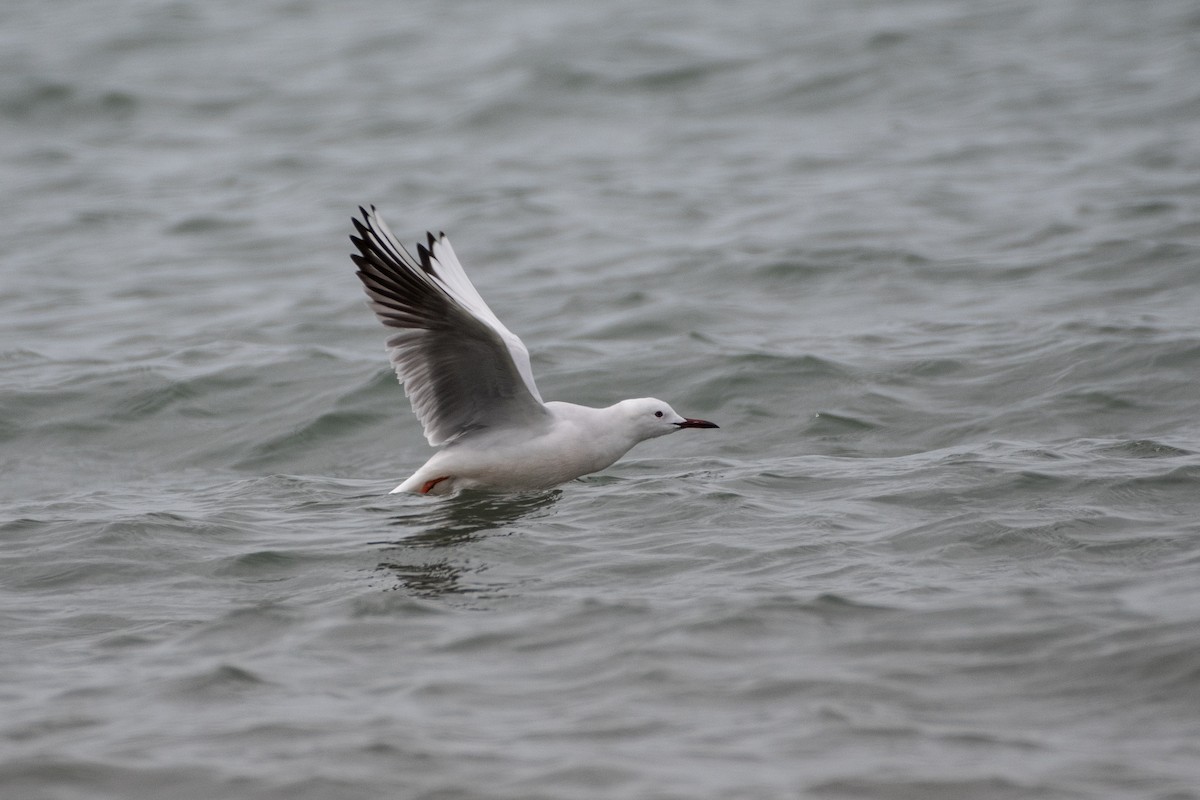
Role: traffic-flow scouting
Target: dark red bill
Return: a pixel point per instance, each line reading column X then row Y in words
column 697, row 423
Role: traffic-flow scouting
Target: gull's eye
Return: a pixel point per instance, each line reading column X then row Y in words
column 658, row 413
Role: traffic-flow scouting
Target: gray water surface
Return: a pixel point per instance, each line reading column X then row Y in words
column 932, row 266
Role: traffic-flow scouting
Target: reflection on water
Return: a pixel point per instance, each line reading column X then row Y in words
column 451, row 523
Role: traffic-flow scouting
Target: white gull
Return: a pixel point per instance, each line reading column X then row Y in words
column 470, row 383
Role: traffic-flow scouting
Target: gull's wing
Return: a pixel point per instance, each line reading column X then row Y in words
column 461, row 368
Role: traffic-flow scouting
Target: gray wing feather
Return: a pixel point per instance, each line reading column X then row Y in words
column 457, row 368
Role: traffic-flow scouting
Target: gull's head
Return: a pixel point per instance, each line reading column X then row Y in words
column 648, row 418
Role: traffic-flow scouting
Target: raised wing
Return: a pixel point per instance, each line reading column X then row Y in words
column 461, row 368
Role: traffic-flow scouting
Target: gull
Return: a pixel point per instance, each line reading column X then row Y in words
column 471, row 385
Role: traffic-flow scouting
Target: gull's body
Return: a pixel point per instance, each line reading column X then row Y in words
column 471, row 385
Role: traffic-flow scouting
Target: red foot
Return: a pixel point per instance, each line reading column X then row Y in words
column 430, row 484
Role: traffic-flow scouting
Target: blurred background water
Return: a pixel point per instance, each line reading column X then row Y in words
column 931, row 264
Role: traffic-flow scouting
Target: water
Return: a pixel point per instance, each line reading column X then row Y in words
column 931, row 265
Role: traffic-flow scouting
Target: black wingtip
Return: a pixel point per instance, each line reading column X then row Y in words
column 425, row 258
